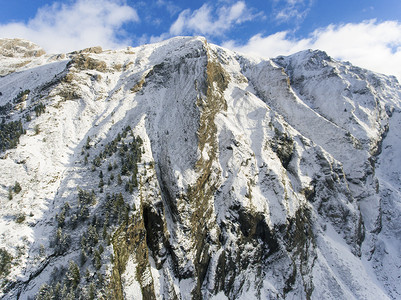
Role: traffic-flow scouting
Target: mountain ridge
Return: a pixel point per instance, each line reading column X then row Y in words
column 233, row 176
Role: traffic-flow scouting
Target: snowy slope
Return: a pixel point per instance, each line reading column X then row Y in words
column 182, row 170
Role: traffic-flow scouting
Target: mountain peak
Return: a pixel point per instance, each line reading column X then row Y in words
column 19, row 48
column 17, row 53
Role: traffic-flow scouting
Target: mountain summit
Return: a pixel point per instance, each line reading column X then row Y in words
column 182, row 170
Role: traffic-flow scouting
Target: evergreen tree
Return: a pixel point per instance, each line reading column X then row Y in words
column 39, row 109
column 5, row 263
column 57, row 291
column 92, row 291
column 88, row 141
column 97, row 260
column 93, row 197
column 10, row 194
column 36, row 129
column 134, row 180
column 124, row 169
column 126, row 215
column 45, row 293
column 61, row 218
column 64, row 292
column 73, row 275
column 83, row 257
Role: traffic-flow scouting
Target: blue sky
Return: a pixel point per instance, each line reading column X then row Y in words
column 365, row 32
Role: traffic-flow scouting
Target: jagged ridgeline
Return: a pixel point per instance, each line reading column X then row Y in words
column 182, row 170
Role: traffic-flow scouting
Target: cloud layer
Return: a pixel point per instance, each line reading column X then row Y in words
column 85, row 23
column 370, row 44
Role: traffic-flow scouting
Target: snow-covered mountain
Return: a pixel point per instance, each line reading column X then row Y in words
column 182, row 170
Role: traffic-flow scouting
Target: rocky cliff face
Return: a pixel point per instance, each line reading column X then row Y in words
column 181, row 170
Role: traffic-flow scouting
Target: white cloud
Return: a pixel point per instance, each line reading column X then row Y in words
column 205, row 22
column 169, row 5
column 370, row 44
column 291, row 10
column 67, row 27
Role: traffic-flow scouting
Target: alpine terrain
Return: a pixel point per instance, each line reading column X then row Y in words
column 182, row 170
